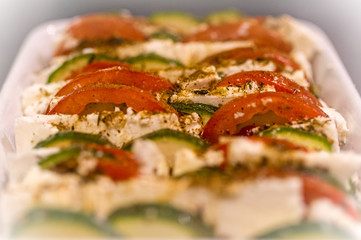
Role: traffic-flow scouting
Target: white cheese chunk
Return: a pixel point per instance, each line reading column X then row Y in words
column 203, row 78
column 341, row 165
column 151, row 159
column 219, row 95
column 324, row 210
column 116, row 126
column 258, row 207
column 248, row 65
column 338, row 123
column 187, row 53
column 36, row 98
column 187, row 160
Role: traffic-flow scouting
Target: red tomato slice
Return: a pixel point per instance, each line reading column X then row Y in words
column 281, row 59
column 101, row 26
column 226, row 120
column 249, row 29
column 95, row 66
column 280, row 82
column 124, row 166
column 117, row 75
column 279, row 143
column 139, row 100
column 104, row 26
column 314, row 188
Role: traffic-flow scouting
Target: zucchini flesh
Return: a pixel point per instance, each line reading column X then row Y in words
column 77, row 62
column 205, row 111
column 151, row 61
column 168, row 137
column 67, row 138
column 170, row 141
column 61, row 157
column 179, row 21
column 57, row 223
column 300, row 137
column 224, row 16
column 307, row 230
column 164, row 34
column 158, row 221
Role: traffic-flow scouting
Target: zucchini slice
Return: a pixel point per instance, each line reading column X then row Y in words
column 204, row 110
column 158, row 221
column 67, row 138
column 77, row 62
column 169, row 141
column 224, row 16
column 307, row 230
column 56, row 223
column 300, row 137
column 65, row 155
column 179, row 21
column 165, row 34
column 151, row 61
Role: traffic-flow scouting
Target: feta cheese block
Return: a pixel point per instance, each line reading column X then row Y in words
column 118, row 127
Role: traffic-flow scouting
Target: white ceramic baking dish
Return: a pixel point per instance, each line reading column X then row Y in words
column 335, row 85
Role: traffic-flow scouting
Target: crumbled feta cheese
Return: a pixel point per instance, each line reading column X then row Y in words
column 203, row 78
column 36, row 98
column 116, row 126
column 151, row 159
column 86, row 163
column 191, row 124
column 338, row 122
column 185, row 161
column 219, row 95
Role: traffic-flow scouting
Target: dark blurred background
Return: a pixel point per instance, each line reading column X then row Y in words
column 340, row 19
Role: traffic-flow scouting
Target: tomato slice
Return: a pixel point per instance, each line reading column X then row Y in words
column 95, row 66
column 280, row 82
column 101, row 26
column 117, row 75
column 279, row 143
column 139, row 100
column 281, row 59
column 124, row 166
column 314, row 188
column 227, row 119
column 104, row 26
column 248, row 29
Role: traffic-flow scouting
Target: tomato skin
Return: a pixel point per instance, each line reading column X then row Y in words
column 281, row 59
column 315, row 188
column 249, row 29
column 290, row 107
column 104, row 26
column 101, row 26
column 280, row 82
column 139, row 100
column 95, row 66
column 280, row 143
column 117, row 75
column 124, row 166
